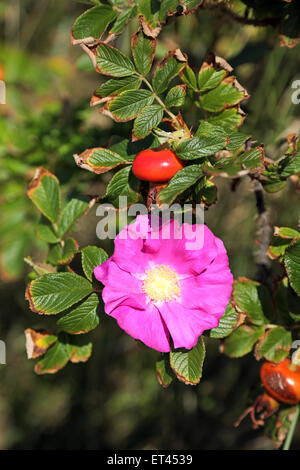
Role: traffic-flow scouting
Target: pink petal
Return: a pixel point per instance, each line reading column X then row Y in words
column 144, row 325
column 184, row 324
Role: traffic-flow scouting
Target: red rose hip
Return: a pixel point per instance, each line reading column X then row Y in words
column 282, row 381
column 156, row 166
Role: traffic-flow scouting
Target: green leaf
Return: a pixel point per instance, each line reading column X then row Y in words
column 149, row 9
column 176, row 96
column 274, row 187
column 63, row 254
column 292, row 266
column 143, row 50
column 275, row 345
column 237, row 139
column 55, row 359
column 165, row 72
column 290, row 165
column 200, row 147
column 80, row 351
column 180, row 182
column 277, row 247
column 189, row 78
column 123, row 19
column 251, row 159
column 93, row 22
column 286, row 232
column 99, row 160
column 115, row 86
column 111, row 61
column 227, row 323
column 45, row 194
column 53, row 293
column 206, row 192
column 209, row 78
column 187, row 364
column 245, row 296
column 224, row 96
column 167, row 7
column 164, row 372
column 82, row 319
column 206, row 128
column 150, row 117
column 128, row 105
column 190, row 4
column 242, row 340
column 92, row 256
column 123, row 183
column 229, row 118
column 46, row 233
column 66, row 348
column 70, row 214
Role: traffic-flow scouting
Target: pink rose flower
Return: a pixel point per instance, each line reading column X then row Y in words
column 156, row 287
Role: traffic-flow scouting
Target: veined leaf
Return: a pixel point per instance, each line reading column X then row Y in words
column 46, row 233
column 70, row 214
column 92, row 256
column 168, row 69
column 93, row 22
column 99, row 160
column 200, row 147
column 275, row 345
column 227, row 323
column 53, row 293
column 245, row 296
column 210, row 78
column 180, row 182
column 128, row 105
column 123, row 18
column 123, row 183
column 187, row 365
column 115, row 86
column 143, row 50
column 292, row 265
column 176, row 96
column 111, row 61
column 59, row 254
column 45, row 194
column 223, row 96
column 150, row 117
column 82, row 319
column 242, row 340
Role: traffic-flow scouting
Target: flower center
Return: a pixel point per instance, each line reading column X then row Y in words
column 161, row 283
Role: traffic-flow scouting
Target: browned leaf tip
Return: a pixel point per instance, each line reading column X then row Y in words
column 36, row 342
column 148, row 29
column 82, row 161
column 29, row 297
column 36, row 181
column 160, row 380
column 186, row 10
column 134, row 42
column 217, row 62
column 75, row 358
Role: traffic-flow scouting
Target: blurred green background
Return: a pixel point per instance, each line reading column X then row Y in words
column 114, row 401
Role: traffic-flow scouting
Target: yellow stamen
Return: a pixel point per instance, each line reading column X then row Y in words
column 161, row 283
